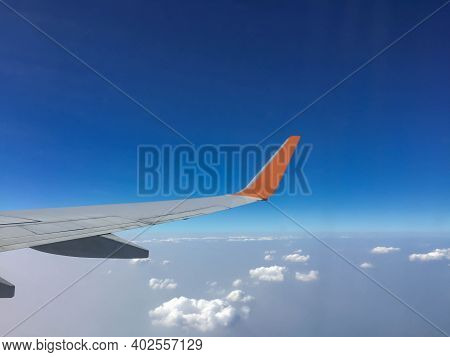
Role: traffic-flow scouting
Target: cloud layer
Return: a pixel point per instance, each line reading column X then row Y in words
column 273, row 273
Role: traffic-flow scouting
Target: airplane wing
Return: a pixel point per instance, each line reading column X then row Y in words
column 88, row 231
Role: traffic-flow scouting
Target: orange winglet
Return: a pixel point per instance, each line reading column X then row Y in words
column 266, row 182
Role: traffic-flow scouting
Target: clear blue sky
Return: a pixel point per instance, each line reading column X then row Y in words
column 231, row 72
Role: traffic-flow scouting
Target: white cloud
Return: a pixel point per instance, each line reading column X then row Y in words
column 202, row 315
column 273, row 273
column 437, row 254
column 296, row 258
column 239, row 296
column 140, row 261
column 165, row 262
column 366, row 265
column 184, row 239
column 160, row 284
column 237, row 283
column 238, row 237
column 384, row 250
column 297, row 251
column 311, row 276
column 244, row 311
column 249, row 239
column 215, row 289
column 268, row 257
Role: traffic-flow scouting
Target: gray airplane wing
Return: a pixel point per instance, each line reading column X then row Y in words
column 29, row 229
column 88, row 231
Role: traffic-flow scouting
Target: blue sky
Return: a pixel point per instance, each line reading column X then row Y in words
column 231, row 72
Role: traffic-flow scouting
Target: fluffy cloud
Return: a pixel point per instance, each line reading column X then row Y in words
column 268, row 257
column 384, row 250
column 165, row 262
column 239, row 296
column 366, row 265
column 273, row 273
column 296, row 258
column 202, row 315
column 237, row 283
column 437, row 254
column 159, row 284
column 311, row 276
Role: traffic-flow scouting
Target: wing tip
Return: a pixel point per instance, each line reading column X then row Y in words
column 268, row 179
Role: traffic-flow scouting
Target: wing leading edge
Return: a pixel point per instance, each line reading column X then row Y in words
column 87, row 231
